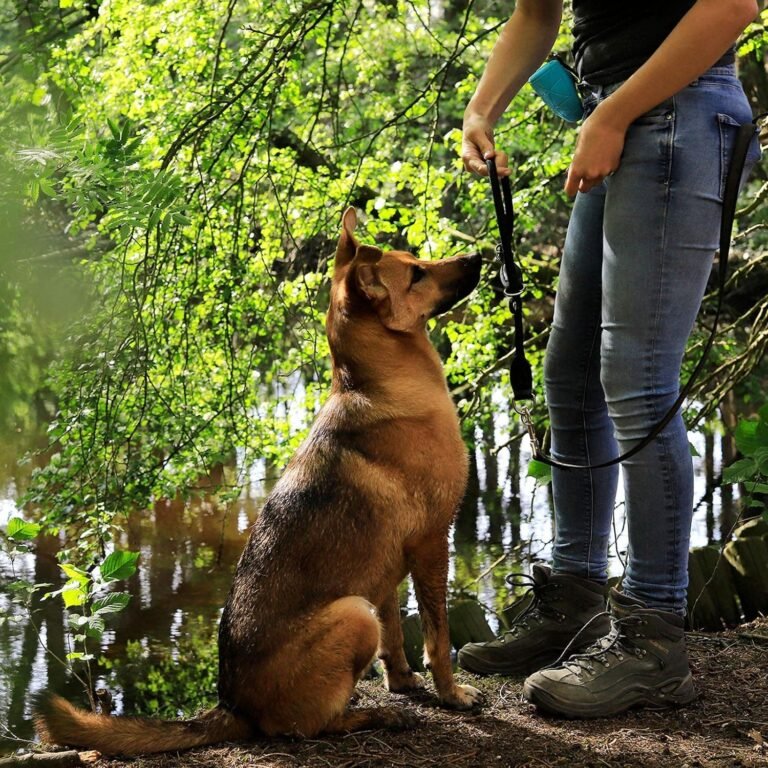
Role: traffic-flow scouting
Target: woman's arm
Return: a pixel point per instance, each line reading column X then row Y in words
column 524, row 42
column 697, row 42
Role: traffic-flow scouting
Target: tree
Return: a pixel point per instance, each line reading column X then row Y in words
column 199, row 157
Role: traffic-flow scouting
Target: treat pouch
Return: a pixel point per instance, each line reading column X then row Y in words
column 556, row 85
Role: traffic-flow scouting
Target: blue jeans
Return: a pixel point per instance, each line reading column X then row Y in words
column 637, row 256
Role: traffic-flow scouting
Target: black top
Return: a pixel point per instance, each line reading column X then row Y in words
column 612, row 39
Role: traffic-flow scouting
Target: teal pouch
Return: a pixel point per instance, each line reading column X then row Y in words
column 556, row 85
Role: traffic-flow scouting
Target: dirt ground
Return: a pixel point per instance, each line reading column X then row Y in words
column 727, row 726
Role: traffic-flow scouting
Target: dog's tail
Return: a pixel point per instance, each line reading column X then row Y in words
column 58, row 722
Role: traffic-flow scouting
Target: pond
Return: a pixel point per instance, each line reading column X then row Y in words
column 159, row 655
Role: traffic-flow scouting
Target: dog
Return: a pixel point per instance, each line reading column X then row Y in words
column 369, row 497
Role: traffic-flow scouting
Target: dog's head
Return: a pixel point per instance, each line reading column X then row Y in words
column 402, row 291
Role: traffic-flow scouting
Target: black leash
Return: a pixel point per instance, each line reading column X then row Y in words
column 511, row 275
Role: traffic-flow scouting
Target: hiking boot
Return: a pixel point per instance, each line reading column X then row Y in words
column 562, row 605
column 641, row 662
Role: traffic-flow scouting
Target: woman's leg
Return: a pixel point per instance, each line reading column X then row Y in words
column 661, row 221
column 582, row 432
column 661, row 224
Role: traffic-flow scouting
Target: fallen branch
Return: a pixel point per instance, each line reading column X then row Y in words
column 70, row 759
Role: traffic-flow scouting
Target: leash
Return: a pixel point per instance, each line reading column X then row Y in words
column 511, row 275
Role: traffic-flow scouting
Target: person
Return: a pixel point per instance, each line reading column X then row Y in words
column 662, row 107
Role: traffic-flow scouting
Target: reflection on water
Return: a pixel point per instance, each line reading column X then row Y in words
column 158, row 656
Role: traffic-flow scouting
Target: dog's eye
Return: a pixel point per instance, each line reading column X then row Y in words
column 419, row 273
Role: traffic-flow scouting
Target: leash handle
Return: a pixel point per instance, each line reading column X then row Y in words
column 520, row 370
column 511, row 274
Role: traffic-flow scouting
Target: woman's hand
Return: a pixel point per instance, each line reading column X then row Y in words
column 598, row 150
column 477, row 146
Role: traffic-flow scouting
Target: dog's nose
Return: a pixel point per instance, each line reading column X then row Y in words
column 472, row 262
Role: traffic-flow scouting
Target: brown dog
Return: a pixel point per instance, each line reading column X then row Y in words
column 368, row 497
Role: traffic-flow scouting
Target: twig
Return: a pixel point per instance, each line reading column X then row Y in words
column 490, row 568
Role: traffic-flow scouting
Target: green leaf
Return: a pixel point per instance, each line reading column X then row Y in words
column 180, row 218
column 76, row 620
column 693, row 449
column 22, row 588
column 114, row 129
column 745, row 437
column 119, row 565
column 46, row 187
column 75, row 574
column 739, row 472
column 78, row 656
column 154, row 218
column 19, row 530
column 125, row 131
column 94, row 627
column 751, row 435
column 761, row 459
column 540, row 471
column 114, row 602
column 73, row 594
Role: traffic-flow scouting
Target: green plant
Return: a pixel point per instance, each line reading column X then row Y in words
column 752, row 470
column 17, row 541
column 86, row 595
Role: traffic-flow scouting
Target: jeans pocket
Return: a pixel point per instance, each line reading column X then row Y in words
column 728, row 127
column 661, row 113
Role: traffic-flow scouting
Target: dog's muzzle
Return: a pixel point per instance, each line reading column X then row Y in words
column 469, row 267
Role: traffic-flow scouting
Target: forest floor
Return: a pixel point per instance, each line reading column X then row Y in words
column 727, row 726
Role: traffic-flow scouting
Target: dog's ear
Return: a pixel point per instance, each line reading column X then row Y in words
column 347, row 245
column 366, row 274
column 371, row 282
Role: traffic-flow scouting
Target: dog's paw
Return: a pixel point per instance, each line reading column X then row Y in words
column 404, row 682
column 462, row 697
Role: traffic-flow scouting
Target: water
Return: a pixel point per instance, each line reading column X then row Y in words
column 158, row 656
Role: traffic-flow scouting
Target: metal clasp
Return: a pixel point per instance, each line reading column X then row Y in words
column 504, row 277
column 524, row 412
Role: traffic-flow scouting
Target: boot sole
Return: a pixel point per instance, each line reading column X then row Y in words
column 674, row 693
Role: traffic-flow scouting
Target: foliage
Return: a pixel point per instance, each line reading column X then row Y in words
column 201, row 157
column 207, row 189
column 86, row 594
column 18, row 541
column 540, row 471
column 752, row 470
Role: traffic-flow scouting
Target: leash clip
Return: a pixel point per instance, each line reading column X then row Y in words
column 524, row 412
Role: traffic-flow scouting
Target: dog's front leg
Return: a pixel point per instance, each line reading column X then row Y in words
column 398, row 676
column 429, row 568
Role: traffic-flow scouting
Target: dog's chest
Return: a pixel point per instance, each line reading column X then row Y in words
column 435, row 461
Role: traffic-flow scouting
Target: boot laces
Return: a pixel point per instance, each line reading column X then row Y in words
column 539, row 608
column 618, row 643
